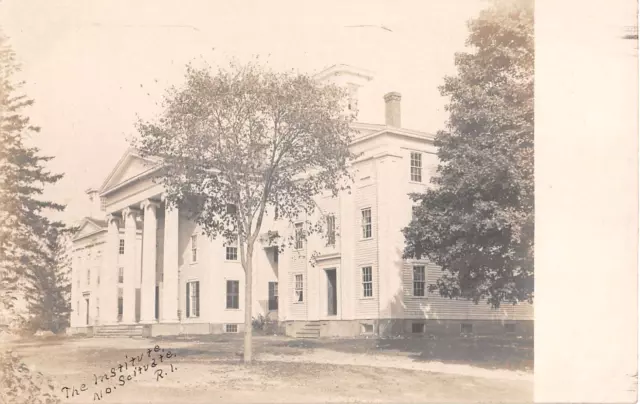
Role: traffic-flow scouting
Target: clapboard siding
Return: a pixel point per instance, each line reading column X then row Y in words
column 366, row 250
column 436, row 307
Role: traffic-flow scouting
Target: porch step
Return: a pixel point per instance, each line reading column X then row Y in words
column 118, row 330
column 310, row 330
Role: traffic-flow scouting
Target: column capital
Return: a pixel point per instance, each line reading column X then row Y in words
column 112, row 218
column 148, row 203
column 130, row 212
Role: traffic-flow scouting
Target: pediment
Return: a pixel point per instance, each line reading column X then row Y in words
column 88, row 227
column 130, row 167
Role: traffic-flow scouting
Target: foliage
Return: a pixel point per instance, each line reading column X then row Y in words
column 18, row 385
column 48, row 284
column 23, row 176
column 249, row 143
column 477, row 222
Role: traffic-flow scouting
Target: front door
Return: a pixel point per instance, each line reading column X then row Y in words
column 87, row 306
column 157, row 311
column 332, row 295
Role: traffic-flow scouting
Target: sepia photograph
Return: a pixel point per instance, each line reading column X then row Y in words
column 268, row 202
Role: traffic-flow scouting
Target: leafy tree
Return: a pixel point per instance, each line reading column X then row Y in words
column 245, row 143
column 48, row 284
column 477, row 221
column 23, row 176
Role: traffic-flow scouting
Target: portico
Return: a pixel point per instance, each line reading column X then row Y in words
column 141, row 261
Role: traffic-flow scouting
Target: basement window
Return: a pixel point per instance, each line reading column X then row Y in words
column 511, row 327
column 366, row 328
column 466, row 328
column 417, row 328
column 231, row 328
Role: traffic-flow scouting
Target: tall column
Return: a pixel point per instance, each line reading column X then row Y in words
column 148, row 283
column 109, row 277
column 170, row 267
column 130, row 246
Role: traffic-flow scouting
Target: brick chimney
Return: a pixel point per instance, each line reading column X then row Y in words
column 392, row 109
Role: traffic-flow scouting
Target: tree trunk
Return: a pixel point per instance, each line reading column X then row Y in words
column 248, row 327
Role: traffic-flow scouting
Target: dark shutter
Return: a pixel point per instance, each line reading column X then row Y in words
column 197, row 308
column 187, row 300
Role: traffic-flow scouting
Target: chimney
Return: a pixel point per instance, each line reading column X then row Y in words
column 96, row 205
column 392, row 109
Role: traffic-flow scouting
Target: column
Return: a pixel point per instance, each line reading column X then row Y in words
column 129, row 288
column 170, row 267
column 148, row 282
column 109, row 277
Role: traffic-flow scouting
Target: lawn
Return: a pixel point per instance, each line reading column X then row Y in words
column 209, row 369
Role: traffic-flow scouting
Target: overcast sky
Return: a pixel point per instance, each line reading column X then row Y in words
column 92, row 67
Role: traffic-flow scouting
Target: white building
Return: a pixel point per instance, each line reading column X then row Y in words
column 141, row 269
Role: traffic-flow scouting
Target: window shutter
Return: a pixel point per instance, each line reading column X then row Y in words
column 197, row 292
column 187, row 300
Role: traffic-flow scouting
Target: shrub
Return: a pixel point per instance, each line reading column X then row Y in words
column 19, row 385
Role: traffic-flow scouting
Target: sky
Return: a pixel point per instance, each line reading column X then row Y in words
column 94, row 68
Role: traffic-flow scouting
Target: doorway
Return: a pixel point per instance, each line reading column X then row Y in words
column 86, row 300
column 157, row 308
column 332, row 292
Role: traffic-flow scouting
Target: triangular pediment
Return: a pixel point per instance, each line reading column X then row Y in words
column 130, row 167
column 88, row 227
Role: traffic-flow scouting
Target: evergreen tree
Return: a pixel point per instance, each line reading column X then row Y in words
column 48, row 286
column 477, row 222
column 24, row 228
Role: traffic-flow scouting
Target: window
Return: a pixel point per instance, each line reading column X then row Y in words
column 88, row 276
column 193, row 299
column 194, row 248
column 103, row 203
column 231, row 253
column 417, row 328
column 466, row 328
column 418, row 280
column 121, row 247
column 366, row 329
column 233, row 297
column 331, row 230
column 367, row 282
column 299, row 230
column 299, row 286
column 121, row 275
column 416, row 167
column 273, row 296
column 366, row 223
column 231, row 328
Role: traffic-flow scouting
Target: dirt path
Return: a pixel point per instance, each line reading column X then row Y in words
column 323, row 356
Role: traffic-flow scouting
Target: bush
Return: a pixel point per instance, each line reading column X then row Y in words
column 21, row 386
column 258, row 323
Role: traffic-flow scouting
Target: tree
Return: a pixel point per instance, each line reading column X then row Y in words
column 245, row 143
column 23, row 176
column 48, row 285
column 477, row 221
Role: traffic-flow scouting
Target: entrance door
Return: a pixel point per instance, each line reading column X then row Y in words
column 332, row 294
column 157, row 310
column 86, row 299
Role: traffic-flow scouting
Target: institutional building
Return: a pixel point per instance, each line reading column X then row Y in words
column 142, row 269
